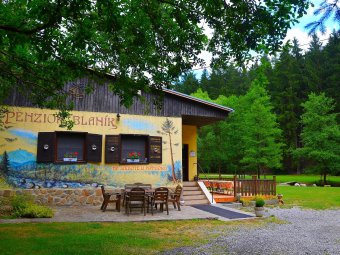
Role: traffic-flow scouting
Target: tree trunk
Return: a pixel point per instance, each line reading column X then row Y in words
column 172, row 161
column 258, row 172
column 324, row 177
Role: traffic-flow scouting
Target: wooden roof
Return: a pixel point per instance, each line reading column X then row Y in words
column 194, row 111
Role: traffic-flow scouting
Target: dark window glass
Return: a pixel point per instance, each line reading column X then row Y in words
column 70, row 147
column 134, row 149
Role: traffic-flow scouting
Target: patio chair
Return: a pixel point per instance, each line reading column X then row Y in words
column 174, row 198
column 160, row 197
column 107, row 198
column 134, row 199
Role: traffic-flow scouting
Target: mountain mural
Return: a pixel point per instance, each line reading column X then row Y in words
column 21, row 159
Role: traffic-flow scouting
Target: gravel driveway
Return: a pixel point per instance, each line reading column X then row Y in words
column 306, row 232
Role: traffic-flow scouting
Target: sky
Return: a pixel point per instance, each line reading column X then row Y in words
column 298, row 31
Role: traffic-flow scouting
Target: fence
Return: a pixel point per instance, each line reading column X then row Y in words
column 244, row 187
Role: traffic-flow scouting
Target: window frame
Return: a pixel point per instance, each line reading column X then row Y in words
column 146, row 148
column 84, row 161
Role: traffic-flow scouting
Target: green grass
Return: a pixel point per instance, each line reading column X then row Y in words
column 310, row 197
column 111, row 238
column 303, row 178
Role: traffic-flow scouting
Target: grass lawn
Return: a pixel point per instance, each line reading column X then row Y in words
column 310, row 197
column 111, row 238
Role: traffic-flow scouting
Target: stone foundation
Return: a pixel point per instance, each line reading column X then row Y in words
column 59, row 197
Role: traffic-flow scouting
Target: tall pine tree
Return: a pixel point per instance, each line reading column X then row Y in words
column 262, row 148
column 320, row 135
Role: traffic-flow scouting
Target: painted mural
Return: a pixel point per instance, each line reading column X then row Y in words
column 18, row 149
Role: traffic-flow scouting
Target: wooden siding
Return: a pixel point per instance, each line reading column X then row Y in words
column 103, row 100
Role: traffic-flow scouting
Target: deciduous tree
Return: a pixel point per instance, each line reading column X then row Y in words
column 128, row 45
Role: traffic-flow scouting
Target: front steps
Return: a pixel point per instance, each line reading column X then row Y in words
column 193, row 195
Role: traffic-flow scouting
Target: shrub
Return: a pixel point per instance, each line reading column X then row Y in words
column 259, row 202
column 34, row 211
column 24, row 206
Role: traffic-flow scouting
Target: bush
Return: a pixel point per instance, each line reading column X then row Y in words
column 34, row 211
column 259, row 202
column 24, row 206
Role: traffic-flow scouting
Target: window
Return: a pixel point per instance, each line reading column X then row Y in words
column 71, row 147
column 134, row 149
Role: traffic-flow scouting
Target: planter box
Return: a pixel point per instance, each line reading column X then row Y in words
column 130, row 160
column 70, row 159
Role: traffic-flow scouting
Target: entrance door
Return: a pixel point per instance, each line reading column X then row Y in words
column 185, row 162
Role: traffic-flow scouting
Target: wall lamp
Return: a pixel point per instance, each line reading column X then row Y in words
column 118, row 116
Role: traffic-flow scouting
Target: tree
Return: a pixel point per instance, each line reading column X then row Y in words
column 320, row 135
column 4, row 165
column 128, row 45
column 261, row 133
column 188, row 84
column 169, row 129
column 327, row 9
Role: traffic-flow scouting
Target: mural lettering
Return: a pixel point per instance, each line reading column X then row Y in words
column 141, row 168
column 18, row 116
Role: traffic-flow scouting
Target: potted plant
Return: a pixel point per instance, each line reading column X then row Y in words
column 133, row 157
column 71, row 157
column 259, row 209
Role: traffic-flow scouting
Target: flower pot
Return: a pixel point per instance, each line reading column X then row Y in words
column 259, row 211
column 132, row 160
column 70, row 159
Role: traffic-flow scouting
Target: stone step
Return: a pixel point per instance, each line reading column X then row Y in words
column 194, row 197
column 190, row 184
column 191, row 189
column 192, row 192
column 196, row 202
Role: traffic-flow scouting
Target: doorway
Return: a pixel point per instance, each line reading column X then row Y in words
column 185, row 162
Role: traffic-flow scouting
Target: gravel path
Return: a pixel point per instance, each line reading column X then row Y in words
column 306, row 232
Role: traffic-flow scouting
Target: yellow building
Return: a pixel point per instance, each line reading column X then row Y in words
column 109, row 144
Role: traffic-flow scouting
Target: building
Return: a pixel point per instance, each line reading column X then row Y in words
column 109, row 144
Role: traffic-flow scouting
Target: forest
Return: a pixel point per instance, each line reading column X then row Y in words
column 285, row 117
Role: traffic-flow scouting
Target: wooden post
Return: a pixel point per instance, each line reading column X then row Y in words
column 274, row 185
column 254, row 185
column 235, row 189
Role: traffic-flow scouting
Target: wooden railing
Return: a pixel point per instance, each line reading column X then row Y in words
column 244, row 187
column 254, row 186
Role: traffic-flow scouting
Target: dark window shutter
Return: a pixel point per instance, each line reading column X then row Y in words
column 94, row 147
column 112, row 149
column 155, row 149
column 46, row 147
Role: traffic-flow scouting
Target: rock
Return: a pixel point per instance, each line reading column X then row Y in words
column 30, row 185
column 94, row 185
column 37, row 187
column 49, row 185
column 303, row 185
column 297, row 185
column 65, row 186
column 8, row 193
column 6, row 209
column 22, row 181
column 314, row 185
column 98, row 192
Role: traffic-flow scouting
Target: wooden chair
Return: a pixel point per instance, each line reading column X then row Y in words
column 175, row 197
column 108, row 199
column 134, row 199
column 160, row 197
